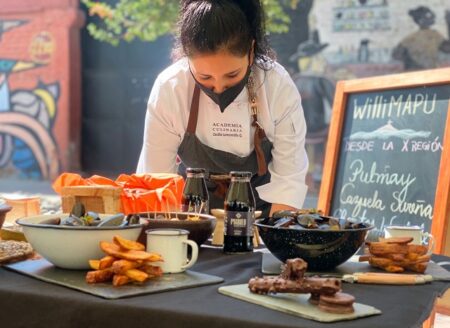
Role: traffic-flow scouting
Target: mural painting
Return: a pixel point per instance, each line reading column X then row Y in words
column 362, row 38
column 420, row 49
column 317, row 92
column 27, row 144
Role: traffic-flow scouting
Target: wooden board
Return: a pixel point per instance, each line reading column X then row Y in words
column 43, row 270
column 295, row 304
column 270, row 265
column 388, row 153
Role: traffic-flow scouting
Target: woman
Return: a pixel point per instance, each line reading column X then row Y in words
column 226, row 105
column 420, row 50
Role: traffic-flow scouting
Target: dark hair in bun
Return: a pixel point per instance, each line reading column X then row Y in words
column 208, row 26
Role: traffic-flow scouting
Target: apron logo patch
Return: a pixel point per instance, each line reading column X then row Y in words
column 227, row 130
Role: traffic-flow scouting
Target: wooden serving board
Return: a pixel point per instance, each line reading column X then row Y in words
column 296, row 304
column 272, row 266
column 43, row 270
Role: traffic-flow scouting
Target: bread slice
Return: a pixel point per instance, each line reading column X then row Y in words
column 12, row 250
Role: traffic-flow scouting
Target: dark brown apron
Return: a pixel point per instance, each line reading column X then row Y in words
column 218, row 163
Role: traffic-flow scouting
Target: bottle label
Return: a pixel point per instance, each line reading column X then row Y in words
column 238, row 223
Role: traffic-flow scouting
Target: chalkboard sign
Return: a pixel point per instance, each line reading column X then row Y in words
column 386, row 162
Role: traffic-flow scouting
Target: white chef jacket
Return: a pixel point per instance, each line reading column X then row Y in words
column 280, row 113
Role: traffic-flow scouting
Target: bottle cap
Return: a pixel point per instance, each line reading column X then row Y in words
column 240, row 174
column 195, row 170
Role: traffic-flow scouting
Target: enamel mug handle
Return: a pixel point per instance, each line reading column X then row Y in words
column 194, row 254
column 430, row 242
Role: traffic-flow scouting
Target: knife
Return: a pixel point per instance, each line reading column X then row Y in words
column 387, row 278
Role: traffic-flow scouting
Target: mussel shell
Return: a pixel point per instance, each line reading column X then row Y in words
column 52, row 221
column 78, row 210
column 91, row 219
column 324, row 227
column 358, row 225
column 310, row 221
column 94, row 223
column 132, row 219
column 283, row 213
column 93, row 215
column 284, row 222
column 72, row 221
column 331, row 220
column 113, row 220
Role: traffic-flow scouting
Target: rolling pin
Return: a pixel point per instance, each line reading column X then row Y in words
column 387, row 278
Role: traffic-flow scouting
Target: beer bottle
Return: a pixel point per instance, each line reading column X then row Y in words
column 239, row 214
column 195, row 196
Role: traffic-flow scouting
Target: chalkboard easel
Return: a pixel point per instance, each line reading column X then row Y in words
column 388, row 153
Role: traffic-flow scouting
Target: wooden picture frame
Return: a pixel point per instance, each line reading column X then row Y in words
column 441, row 210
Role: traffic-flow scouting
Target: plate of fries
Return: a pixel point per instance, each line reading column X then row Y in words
column 125, row 262
column 125, row 270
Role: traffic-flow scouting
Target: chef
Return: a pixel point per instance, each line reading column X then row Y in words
column 226, row 105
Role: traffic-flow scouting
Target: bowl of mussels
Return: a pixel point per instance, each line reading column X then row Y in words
column 323, row 241
column 70, row 240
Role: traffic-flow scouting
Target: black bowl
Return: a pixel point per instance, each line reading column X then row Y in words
column 321, row 249
column 199, row 230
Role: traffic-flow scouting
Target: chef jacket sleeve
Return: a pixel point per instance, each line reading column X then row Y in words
column 289, row 164
column 161, row 140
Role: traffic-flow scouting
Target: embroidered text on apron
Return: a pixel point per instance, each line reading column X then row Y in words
column 193, row 153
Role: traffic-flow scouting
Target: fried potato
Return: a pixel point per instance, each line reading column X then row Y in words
column 381, row 248
column 97, row 276
column 397, row 240
column 125, row 262
column 418, row 249
column 128, row 244
column 418, row 267
column 394, row 269
column 155, row 258
column 151, row 270
column 106, row 262
column 120, row 280
column 132, row 255
column 122, row 266
column 395, row 255
column 94, row 264
column 136, row 275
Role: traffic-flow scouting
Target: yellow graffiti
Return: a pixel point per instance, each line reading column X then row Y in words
column 48, row 100
column 42, row 47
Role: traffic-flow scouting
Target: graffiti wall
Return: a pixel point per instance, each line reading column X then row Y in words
column 359, row 38
column 39, row 96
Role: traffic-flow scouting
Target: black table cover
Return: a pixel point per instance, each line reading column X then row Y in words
column 27, row 302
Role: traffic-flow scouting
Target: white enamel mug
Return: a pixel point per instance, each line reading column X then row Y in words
column 172, row 244
column 416, row 232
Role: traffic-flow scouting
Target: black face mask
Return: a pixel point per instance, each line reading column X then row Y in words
column 229, row 95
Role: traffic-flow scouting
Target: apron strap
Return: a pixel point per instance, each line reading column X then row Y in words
column 193, row 113
column 257, row 140
column 260, row 134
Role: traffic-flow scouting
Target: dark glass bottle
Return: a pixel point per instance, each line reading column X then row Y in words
column 195, row 196
column 239, row 214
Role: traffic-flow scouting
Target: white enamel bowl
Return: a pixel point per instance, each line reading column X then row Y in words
column 71, row 247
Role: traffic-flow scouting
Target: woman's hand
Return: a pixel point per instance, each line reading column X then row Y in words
column 281, row 207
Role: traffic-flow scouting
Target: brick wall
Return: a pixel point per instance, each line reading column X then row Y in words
column 39, row 87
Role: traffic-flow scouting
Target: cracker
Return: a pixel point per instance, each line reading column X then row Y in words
column 12, row 250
